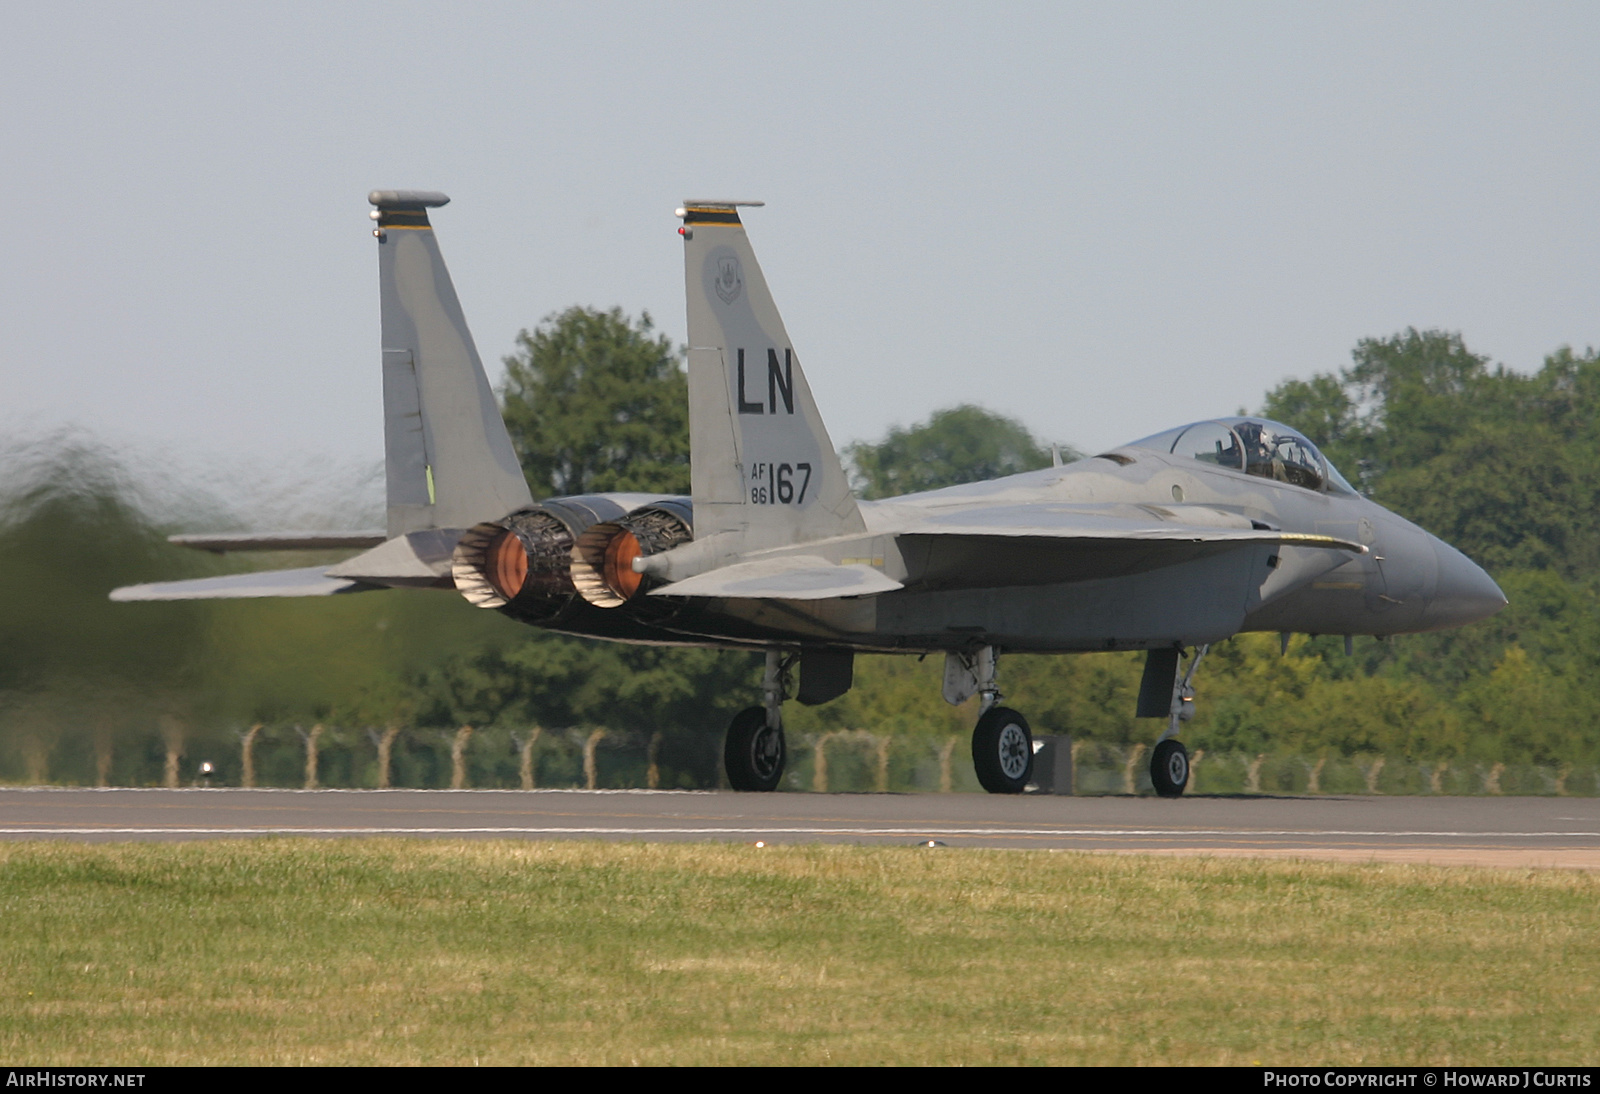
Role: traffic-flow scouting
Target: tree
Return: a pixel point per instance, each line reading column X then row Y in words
column 1503, row 465
column 597, row 402
column 1320, row 408
column 962, row 444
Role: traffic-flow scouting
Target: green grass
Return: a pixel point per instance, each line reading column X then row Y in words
column 298, row 951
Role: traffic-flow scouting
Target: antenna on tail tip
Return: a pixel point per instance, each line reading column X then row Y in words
column 718, row 203
column 706, row 211
column 414, row 199
column 707, row 204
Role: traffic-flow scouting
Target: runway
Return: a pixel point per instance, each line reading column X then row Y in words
column 1508, row 832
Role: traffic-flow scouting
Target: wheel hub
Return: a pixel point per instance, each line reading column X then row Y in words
column 766, row 752
column 1178, row 767
column 1013, row 751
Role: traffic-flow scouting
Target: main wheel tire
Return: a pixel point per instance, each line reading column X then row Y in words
column 1169, row 768
column 1002, row 751
column 753, row 752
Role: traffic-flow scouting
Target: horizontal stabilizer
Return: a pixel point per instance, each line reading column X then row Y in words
column 796, row 577
column 280, row 541
column 308, row 581
column 414, row 560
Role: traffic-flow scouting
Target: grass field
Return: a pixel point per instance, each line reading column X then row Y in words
column 393, row 952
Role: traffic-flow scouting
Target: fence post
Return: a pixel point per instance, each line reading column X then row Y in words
column 591, row 774
column 247, row 748
column 102, row 755
column 311, row 753
column 172, row 736
column 386, row 754
column 1252, row 783
column 525, row 757
column 1372, row 774
column 819, row 765
column 37, row 754
column 458, row 758
column 652, row 773
column 1129, row 779
column 947, row 782
column 1313, row 774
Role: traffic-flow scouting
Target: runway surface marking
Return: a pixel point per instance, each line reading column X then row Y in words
column 1504, row 832
column 833, row 830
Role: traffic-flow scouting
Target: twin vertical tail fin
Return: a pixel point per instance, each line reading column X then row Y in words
column 761, row 464
column 449, row 460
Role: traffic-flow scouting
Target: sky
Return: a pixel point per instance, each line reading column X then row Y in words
column 1100, row 219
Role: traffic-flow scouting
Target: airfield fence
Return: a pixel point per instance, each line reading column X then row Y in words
column 849, row 761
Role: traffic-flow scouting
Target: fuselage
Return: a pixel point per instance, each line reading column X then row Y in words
column 1069, row 594
column 1407, row 581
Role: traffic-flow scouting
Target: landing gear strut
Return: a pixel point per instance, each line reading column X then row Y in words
column 754, row 751
column 1169, row 763
column 1002, row 743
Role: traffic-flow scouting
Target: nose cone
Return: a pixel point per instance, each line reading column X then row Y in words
column 1465, row 594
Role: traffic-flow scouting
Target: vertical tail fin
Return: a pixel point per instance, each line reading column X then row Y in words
column 761, row 463
column 449, row 459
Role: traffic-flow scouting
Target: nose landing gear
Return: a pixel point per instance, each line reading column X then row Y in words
column 1169, row 762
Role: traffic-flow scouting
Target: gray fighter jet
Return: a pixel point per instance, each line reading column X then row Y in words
column 1167, row 544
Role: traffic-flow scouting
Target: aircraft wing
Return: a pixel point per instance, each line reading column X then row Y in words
column 1045, row 544
column 1181, row 523
column 308, row 581
column 998, row 546
column 794, row 577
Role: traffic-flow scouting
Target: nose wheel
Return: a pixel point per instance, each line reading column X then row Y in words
column 1169, row 762
column 1169, row 768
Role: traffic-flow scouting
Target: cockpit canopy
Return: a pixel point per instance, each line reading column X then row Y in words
column 1252, row 445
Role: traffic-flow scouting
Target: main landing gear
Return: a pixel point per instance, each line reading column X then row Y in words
column 754, row 751
column 1169, row 762
column 1002, row 743
column 1002, row 751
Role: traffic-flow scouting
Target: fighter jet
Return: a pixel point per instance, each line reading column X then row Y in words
column 1167, row 544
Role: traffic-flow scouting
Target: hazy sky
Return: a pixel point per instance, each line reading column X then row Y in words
column 1100, row 219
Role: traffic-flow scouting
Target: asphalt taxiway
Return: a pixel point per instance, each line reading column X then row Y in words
column 1511, row 832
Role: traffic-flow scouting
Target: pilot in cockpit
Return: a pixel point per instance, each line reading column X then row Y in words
column 1279, row 455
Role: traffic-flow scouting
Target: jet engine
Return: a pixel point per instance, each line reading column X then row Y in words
column 541, row 563
column 602, row 558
